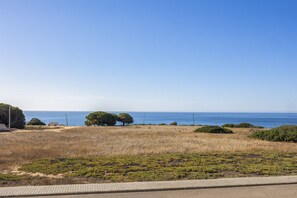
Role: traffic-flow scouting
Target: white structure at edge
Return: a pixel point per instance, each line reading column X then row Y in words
column 3, row 127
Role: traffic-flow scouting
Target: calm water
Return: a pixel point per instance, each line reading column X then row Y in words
column 260, row 119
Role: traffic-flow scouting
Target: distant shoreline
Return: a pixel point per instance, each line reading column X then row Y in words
column 272, row 112
column 268, row 120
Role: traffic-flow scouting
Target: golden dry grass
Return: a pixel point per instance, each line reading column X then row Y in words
column 21, row 146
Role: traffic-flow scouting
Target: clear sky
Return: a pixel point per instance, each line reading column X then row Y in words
column 149, row 55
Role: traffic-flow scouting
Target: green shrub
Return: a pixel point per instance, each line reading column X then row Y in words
column 173, row 123
column 35, row 121
column 241, row 125
column 162, row 124
column 17, row 116
column 286, row 133
column 229, row 125
column 125, row 118
column 245, row 125
column 101, row 118
column 213, row 129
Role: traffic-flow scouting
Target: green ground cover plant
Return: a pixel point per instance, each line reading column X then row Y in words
column 213, row 129
column 168, row 166
column 6, row 178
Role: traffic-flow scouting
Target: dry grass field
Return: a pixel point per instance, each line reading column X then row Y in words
column 42, row 156
column 26, row 145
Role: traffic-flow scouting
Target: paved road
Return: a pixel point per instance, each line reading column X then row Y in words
column 274, row 191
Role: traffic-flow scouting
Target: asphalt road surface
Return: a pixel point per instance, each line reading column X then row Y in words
column 273, row 191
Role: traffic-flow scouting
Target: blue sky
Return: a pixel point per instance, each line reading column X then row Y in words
column 154, row 55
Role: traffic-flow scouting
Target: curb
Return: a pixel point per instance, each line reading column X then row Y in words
column 103, row 188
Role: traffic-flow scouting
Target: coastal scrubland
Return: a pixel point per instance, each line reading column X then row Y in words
column 54, row 155
column 285, row 133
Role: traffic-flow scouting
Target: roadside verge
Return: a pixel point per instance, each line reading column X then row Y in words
column 28, row 191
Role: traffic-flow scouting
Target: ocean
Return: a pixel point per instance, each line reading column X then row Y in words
column 268, row 120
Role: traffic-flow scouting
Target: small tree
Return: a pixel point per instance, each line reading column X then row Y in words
column 101, row 118
column 35, row 121
column 110, row 119
column 17, row 116
column 125, row 118
column 173, row 123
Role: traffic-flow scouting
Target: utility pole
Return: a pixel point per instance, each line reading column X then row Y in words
column 143, row 119
column 9, row 117
column 66, row 119
column 193, row 119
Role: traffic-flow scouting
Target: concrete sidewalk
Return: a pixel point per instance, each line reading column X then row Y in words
column 26, row 191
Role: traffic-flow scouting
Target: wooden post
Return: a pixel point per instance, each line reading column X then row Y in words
column 9, row 117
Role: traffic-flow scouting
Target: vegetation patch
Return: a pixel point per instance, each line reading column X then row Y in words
column 7, row 178
column 286, row 133
column 242, row 125
column 40, row 127
column 125, row 118
column 35, row 122
column 213, row 129
column 101, row 118
column 17, row 116
column 168, row 166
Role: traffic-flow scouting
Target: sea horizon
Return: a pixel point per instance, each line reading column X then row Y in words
column 265, row 119
column 293, row 112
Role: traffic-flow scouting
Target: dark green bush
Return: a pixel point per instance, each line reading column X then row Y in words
column 17, row 116
column 162, row 124
column 229, row 125
column 213, row 129
column 173, row 123
column 35, row 121
column 247, row 125
column 101, row 118
column 286, row 133
column 241, row 125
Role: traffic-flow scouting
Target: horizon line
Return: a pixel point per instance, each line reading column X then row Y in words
column 129, row 111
